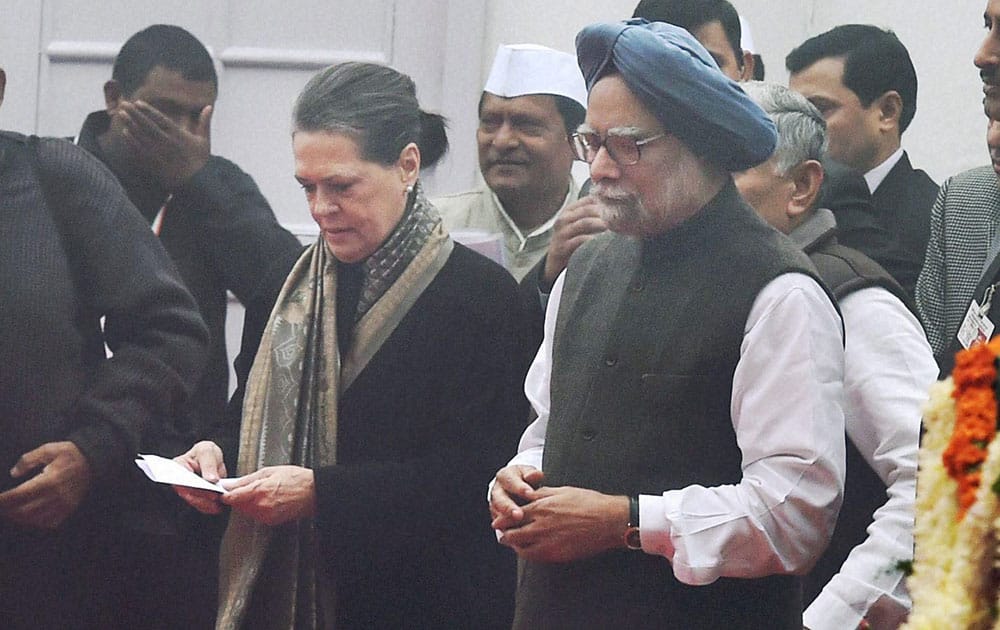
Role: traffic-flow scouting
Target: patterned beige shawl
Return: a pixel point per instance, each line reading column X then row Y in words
column 268, row 575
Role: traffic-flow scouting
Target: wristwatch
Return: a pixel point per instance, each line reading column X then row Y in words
column 632, row 538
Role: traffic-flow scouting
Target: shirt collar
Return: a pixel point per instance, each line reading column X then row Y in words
column 877, row 175
column 541, row 229
column 817, row 228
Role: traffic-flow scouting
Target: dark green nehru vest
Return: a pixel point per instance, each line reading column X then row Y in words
column 647, row 339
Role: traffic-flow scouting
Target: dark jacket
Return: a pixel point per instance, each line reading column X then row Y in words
column 903, row 204
column 223, row 236
column 865, row 225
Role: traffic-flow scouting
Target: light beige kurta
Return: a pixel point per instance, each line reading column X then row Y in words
column 480, row 209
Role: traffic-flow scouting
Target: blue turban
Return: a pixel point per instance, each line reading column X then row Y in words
column 679, row 82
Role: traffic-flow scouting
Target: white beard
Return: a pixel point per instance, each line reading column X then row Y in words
column 623, row 212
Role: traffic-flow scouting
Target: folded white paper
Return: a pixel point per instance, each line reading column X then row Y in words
column 163, row 470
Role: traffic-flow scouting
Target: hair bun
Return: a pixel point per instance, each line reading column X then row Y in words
column 433, row 141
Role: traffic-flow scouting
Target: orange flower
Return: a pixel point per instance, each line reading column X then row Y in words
column 975, row 419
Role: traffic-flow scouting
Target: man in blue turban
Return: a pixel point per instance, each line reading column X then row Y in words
column 688, row 457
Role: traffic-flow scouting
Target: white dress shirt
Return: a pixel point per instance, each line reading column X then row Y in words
column 789, row 424
column 888, row 369
column 877, row 175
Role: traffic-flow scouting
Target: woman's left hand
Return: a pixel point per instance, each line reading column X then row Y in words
column 273, row 495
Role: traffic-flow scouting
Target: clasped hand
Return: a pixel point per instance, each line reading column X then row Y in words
column 558, row 524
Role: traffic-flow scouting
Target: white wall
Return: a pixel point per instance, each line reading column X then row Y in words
column 946, row 136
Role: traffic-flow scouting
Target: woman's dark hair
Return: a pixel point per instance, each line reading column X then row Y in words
column 376, row 106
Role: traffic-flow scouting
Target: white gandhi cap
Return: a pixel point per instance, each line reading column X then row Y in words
column 522, row 69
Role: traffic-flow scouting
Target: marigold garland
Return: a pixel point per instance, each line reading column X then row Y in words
column 975, row 419
column 954, row 581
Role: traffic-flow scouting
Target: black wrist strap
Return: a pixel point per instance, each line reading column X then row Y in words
column 633, row 510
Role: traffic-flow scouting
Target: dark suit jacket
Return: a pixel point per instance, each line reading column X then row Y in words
column 889, row 227
column 903, row 205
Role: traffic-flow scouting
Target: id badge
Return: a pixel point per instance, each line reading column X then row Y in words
column 976, row 327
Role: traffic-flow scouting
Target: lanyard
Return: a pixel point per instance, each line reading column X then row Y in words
column 988, row 298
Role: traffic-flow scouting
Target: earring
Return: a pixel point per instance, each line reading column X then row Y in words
column 409, row 189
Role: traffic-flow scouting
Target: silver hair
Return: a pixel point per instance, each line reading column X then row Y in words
column 801, row 128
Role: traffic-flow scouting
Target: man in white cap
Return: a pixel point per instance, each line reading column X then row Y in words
column 533, row 100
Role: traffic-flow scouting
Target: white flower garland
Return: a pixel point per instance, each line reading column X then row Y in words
column 952, row 583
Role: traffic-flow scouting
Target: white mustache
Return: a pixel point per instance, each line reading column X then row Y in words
column 610, row 193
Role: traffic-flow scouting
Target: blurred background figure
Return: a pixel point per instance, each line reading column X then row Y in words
column 154, row 135
column 749, row 46
column 962, row 268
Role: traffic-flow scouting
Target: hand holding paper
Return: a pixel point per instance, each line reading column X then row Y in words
column 204, row 459
column 163, row 470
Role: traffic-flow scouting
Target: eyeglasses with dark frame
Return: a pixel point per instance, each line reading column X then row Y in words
column 622, row 148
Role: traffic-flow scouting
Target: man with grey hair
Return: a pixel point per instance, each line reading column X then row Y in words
column 670, row 481
column 888, row 367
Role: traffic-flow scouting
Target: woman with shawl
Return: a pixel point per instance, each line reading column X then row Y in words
column 386, row 390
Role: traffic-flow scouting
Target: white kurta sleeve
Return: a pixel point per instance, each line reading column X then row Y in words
column 536, row 387
column 787, row 414
column 888, row 370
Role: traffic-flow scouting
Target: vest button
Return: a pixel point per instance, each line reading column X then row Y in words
column 636, row 285
column 611, row 361
column 588, row 434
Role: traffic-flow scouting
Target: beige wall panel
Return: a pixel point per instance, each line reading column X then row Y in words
column 19, row 45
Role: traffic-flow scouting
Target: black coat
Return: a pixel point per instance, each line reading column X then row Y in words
column 903, row 203
column 403, row 517
column 890, row 227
